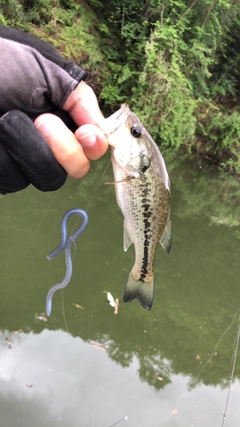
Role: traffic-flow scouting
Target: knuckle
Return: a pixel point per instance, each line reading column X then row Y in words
column 79, row 170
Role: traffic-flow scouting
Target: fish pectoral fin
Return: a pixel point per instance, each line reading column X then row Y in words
column 166, row 239
column 119, row 182
column 126, row 238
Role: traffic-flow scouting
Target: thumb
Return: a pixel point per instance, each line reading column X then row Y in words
column 82, row 105
column 64, row 145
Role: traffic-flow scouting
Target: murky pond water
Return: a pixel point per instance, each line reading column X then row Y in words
column 89, row 367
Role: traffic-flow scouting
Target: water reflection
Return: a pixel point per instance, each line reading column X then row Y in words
column 52, row 378
column 151, row 358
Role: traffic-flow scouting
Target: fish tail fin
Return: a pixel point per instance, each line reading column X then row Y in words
column 139, row 289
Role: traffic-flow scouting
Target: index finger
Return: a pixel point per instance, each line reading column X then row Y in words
column 82, row 106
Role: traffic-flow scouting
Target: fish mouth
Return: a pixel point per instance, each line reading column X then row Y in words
column 114, row 122
column 117, row 115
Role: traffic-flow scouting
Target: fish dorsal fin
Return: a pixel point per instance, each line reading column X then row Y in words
column 166, row 239
column 126, row 239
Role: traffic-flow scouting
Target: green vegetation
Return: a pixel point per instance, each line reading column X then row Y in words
column 175, row 62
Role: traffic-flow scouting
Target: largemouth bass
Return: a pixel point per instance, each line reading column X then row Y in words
column 142, row 189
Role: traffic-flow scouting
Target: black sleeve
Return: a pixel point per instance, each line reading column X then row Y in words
column 34, row 79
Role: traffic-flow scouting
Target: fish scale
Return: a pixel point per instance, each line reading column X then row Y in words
column 143, row 194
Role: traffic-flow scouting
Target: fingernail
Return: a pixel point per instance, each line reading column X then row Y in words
column 88, row 140
column 46, row 130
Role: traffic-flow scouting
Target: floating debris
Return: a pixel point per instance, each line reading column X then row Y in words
column 116, row 306
column 111, row 300
column 98, row 346
column 42, row 318
column 78, row 306
column 10, row 343
column 18, row 332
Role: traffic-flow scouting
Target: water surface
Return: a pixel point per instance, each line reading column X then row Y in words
column 97, row 367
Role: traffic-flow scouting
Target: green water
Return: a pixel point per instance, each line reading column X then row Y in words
column 143, row 365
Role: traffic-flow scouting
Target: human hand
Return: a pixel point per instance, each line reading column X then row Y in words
column 75, row 150
column 37, row 83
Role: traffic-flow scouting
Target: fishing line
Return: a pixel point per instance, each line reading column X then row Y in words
column 89, row 203
column 63, row 312
column 235, row 353
column 97, row 187
column 93, row 195
column 234, row 359
column 215, row 348
column 119, row 421
column 67, row 244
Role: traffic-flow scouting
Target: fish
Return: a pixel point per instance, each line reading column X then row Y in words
column 142, row 189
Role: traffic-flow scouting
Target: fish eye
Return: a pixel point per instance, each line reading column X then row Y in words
column 136, row 131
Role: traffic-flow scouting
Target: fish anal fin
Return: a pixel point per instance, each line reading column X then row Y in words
column 143, row 291
column 166, row 239
column 126, row 238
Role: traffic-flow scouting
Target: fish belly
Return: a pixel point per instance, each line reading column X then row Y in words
column 142, row 202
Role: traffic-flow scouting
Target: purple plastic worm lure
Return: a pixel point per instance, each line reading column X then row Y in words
column 65, row 244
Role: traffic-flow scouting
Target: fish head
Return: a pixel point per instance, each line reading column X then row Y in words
column 129, row 141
